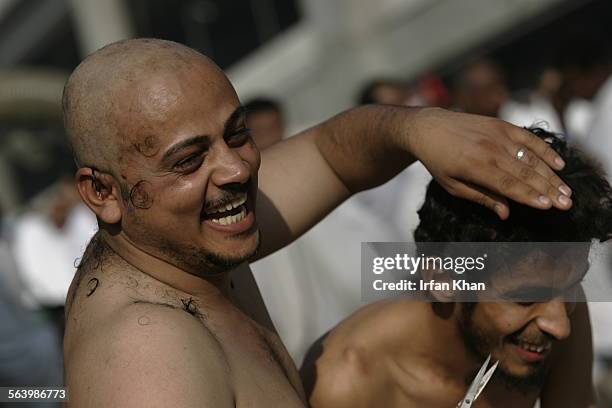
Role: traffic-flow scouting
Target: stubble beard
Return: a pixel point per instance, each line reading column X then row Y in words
column 480, row 345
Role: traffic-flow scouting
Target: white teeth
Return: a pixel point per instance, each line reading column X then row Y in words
column 231, row 219
column 239, row 201
column 532, row 348
column 236, row 203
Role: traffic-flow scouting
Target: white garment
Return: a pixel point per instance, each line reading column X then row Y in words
column 313, row 284
column 46, row 256
column 599, row 141
column 537, row 112
column 578, row 117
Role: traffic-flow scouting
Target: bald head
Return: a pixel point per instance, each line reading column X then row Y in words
column 121, row 89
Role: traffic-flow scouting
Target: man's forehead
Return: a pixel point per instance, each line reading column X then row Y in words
column 545, row 269
column 166, row 104
column 162, row 90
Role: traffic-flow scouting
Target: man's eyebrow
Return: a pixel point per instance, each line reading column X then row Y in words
column 194, row 140
column 536, row 287
column 234, row 118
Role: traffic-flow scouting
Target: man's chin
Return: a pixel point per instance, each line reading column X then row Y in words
column 522, row 377
column 230, row 258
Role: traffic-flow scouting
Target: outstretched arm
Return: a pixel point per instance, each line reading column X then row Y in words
column 473, row 157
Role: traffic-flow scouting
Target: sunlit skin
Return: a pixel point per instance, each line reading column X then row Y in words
column 215, row 162
column 163, row 310
column 502, row 324
column 403, row 353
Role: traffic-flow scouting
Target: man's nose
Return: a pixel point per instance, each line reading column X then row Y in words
column 227, row 167
column 553, row 319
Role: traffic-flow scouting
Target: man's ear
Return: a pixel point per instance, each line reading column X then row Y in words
column 443, row 278
column 99, row 192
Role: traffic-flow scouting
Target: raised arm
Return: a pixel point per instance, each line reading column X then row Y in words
column 474, row 157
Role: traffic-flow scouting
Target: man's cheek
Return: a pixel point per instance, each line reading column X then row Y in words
column 141, row 195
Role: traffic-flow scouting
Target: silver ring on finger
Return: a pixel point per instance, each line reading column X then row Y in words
column 521, row 153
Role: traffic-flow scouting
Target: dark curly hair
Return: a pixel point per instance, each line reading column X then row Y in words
column 444, row 218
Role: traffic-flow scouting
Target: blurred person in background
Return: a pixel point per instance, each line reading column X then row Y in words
column 46, row 225
column 266, row 121
column 480, row 88
column 585, row 62
column 542, row 106
column 590, row 77
column 47, row 240
column 430, row 90
column 385, row 91
column 30, row 351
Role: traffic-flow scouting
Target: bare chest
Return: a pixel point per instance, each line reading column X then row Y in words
column 261, row 369
column 423, row 390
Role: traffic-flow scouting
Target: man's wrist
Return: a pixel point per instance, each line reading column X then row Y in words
column 411, row 124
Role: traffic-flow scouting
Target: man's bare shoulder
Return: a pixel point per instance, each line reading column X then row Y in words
column 351, row 370
column 148, row 355
column 377, row 324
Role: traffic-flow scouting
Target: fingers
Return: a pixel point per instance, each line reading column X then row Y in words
column 543, row 151
column 535, row 173
column 492, row 201
column 505, row 183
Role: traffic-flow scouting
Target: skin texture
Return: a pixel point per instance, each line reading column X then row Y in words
column 163, row 311
column 377, row 357
column 402, row 353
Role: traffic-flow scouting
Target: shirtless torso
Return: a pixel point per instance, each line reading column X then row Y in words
column 382, row 356
column 123, row 325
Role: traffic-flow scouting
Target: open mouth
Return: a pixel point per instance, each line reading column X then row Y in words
column 230, row 213
column 531, row 351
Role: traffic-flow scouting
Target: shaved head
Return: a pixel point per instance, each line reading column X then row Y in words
column 160, row 136
column 107, row 97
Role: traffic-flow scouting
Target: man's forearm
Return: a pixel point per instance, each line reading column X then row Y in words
column 368, row 145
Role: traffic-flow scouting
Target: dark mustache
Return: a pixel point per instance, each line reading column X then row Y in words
column 233, row 191
column 541, row 339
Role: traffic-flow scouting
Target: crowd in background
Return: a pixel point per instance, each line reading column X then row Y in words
column 314, row 283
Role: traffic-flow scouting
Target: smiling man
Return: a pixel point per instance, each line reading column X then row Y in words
column 163, row 310
column 408, row 353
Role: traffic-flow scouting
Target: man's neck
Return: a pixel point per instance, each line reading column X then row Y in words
column 440, row 341
column 166, row 272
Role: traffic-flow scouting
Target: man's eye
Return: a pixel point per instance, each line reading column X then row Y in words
column 238, row 138
column 189, row 163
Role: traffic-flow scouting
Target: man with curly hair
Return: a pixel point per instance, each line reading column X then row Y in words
column 425, row 353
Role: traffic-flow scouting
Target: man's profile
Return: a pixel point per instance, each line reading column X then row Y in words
column 408, row 353
column 163, row 310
